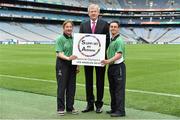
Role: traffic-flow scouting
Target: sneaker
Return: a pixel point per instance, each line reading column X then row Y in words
column 74, row 112
column 61, row 112
column 99, row 110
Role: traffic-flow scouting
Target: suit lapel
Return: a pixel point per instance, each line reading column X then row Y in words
column 98, row 25
column 89, row 27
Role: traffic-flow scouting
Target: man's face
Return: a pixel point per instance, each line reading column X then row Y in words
column 114, row 29
column 68, row 28
column 93, row 13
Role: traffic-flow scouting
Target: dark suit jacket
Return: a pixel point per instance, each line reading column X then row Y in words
column 102, row 27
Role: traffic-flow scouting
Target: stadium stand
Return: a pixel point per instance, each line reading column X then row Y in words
column 26, row 32
column 153, row 35
column 47, row 32
column 133, row 4
column 154, row 22
column 30, row 32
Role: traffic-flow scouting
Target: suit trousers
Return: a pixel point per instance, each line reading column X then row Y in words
column 66, row 84
column 117, row 81
column 100, row 73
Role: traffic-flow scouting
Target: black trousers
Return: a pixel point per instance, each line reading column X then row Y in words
column 66, row 84
column 117, row 81
column 100, row 73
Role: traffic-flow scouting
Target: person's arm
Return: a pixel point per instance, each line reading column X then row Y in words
column 116, row 57
column 64, row 57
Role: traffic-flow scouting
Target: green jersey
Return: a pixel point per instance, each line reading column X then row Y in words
column 64, row 44
column 116, row 46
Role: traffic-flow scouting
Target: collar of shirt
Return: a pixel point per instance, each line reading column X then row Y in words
column 66, row 36
column 93, row 21
column 112, row 39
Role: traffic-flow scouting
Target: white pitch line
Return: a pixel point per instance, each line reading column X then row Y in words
column 82, row 85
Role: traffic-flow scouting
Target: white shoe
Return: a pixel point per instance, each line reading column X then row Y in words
column 74, row 112
column 61, row 112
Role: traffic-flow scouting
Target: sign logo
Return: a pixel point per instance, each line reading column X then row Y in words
column 89, row 45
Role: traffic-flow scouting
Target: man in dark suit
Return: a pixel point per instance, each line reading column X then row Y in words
column 94, row 25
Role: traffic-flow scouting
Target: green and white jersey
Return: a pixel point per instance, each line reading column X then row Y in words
column 116, row 46
column 64, row 44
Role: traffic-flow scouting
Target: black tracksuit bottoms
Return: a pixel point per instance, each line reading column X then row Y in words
column 66, row 84
column 117, row 81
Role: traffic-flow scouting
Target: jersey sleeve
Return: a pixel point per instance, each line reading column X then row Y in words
column 119, row 46
column 59, row 45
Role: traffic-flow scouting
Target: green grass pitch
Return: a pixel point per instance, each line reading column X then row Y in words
column 150, row 68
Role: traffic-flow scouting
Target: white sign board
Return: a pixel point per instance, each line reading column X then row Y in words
column 89, row 49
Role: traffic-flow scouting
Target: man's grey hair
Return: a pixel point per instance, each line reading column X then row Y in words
column 93, row 6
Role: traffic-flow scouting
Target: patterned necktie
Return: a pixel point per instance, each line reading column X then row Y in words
column 93, row 27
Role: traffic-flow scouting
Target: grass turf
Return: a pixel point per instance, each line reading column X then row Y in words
column 23, row 105
column 149, row 68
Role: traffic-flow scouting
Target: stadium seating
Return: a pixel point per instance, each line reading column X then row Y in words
column 47, row 32
column 30, row 32
column 27, row 32
column 124, row 4
column 153, row 34
column 146, row 4
column 41, row 15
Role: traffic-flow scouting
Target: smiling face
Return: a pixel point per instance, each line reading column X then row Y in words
column 93, row 11
column 68, row 28
column 114, row 28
